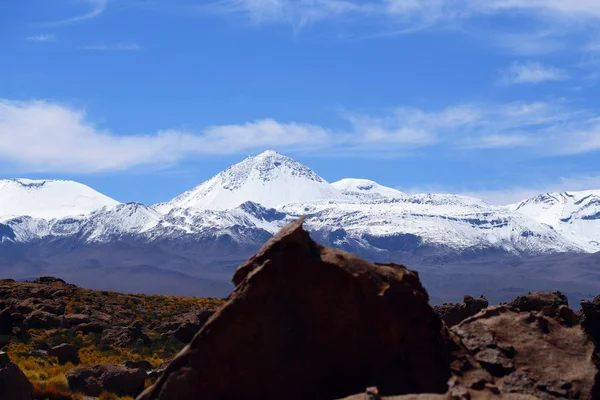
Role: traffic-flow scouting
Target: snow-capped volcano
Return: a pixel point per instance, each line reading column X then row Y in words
column 366, row 190
column 576, row 215
column 269, row 179
column 49, row 198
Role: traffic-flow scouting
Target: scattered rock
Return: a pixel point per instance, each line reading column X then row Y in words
column 112, row 378
column 536, row 301
column 75, row 319
column 42, row 320
column 126, row 336
column 10, row 319
column 453, row 314
column 66, row 353
column 142, row 364
column 306, row 321
column 185, row 327
column 27, row 306
column 54, row 307
column 14, row 385
column 49, row 280
column 92, row 327
column 39, row 353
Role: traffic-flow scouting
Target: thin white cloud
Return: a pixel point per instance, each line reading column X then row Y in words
column 531, row 72
column 114, row 47
column 97, row 7
column 50, row 137
column 42, row 38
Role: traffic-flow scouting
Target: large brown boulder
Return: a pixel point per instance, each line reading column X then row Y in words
column 14, row 385
column 453, row 314
column 309, row 322
column 112, row 378
column 537, row 301
column 530, row 353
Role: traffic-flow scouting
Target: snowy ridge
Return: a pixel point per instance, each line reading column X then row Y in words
column 366, row 190
column 575, row 215
column 49, row 198
column 253, row 199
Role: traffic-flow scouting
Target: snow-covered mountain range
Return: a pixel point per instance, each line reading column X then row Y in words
column 204, row 232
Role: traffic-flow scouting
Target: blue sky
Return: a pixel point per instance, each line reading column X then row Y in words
column 145, row 99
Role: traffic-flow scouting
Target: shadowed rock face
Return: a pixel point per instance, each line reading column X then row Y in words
column 590, row 311
column 309, row 322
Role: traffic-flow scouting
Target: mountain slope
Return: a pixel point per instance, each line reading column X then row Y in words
column 269, row 179
column 49, row 198
column 434, row 224
column 575, row 215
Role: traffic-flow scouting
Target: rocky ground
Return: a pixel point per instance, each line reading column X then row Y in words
column 304, row 322
column 61, row 335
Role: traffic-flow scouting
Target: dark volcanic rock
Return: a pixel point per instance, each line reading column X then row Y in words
column 42, row 320
column 49, row 280
column 453, row 314
column 185, row 327
column 75, row 319
column 92, row 327
column 65, row 353
column 117, row 379
column 536, row 301
column 532, row 354
column 156, row 373
column 125, row 336
column 143, row 364
column 590, row 311
column 308, row 322
column 14, row 385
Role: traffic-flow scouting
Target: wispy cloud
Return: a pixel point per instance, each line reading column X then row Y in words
column 114, row 47
column 531, row 72
column 96, row 8
column 47, row 136
column 42, row 38
column 551, row 25
column 424, row 13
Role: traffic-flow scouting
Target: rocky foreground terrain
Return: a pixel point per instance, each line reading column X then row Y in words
column 303, row 322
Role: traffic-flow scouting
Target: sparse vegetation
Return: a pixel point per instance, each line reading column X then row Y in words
column 115, row 310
